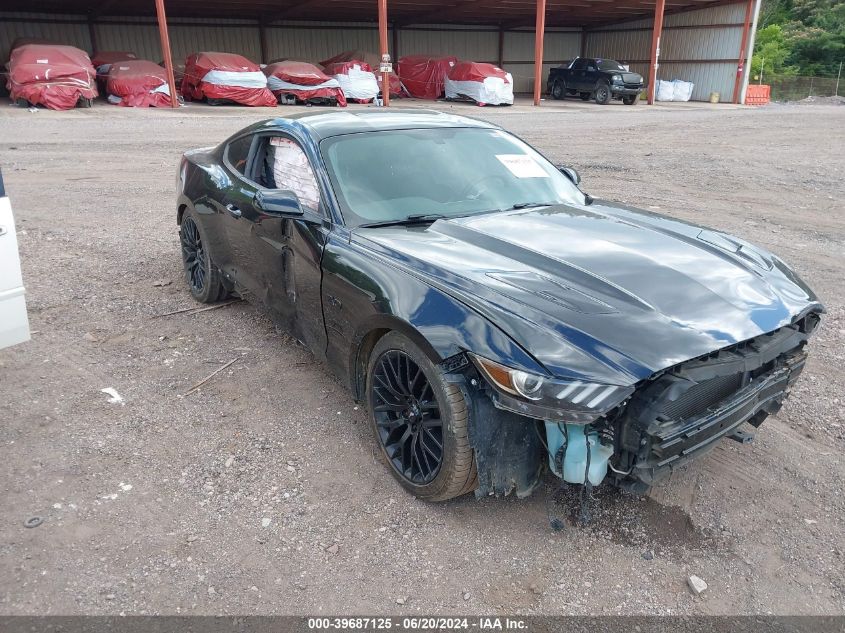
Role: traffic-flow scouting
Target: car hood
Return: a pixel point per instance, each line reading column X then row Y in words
column 631, row 78
column 601, row 292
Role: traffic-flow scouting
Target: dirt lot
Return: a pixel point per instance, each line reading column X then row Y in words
column 261, row 492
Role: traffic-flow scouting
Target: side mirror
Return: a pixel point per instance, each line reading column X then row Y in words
column 282, row 203
column 570, row 173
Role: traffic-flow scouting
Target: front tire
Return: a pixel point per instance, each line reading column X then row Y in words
column 202, row 275
column 603, row 94
column 630, row 99
column 420, row 421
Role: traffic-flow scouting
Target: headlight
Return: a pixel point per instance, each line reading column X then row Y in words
column 616, row 78
column 571, row 401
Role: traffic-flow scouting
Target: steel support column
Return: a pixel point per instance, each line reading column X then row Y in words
column 500, row 49
column 656, row 32
column 92, row 35
column 751, row 37
column 165, row 50
column 262, row 42
column 382, row 38
column 743, row 49
column 539, row 33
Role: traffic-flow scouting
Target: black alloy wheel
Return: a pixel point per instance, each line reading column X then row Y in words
column 420, row 420
column 407, row 416
column 203, row 277
column 558, row 90
column 193, row 256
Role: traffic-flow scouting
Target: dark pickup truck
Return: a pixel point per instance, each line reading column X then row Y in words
column 601, row 79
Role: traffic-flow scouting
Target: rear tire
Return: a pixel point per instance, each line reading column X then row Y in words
column 85, row 102
column 203, row 277
column 420, row 421
column 603, row 94
column 558, row 90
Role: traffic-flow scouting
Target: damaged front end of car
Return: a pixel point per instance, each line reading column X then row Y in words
column 630, row 435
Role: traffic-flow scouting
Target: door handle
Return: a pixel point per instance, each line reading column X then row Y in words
column 233, row 211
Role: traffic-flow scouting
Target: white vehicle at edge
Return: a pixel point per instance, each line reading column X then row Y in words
column 14, row 324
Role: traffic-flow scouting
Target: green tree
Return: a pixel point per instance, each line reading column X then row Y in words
column 771, row 51
column 806, row 37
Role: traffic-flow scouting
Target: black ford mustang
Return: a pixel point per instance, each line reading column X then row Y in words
column 493, row 317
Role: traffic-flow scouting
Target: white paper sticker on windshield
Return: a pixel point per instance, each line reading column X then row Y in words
column 522, row 165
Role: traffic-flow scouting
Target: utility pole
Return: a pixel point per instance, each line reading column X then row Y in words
column 838, row 75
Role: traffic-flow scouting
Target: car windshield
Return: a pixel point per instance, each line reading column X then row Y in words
column 609, row 64
column 445, row 172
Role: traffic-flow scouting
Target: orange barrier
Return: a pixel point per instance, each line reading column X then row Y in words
column 758, row 94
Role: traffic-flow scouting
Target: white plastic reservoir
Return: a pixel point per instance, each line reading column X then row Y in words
column 578, row 437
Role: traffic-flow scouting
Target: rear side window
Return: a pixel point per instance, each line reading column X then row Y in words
column 580, row 64
column 237, row 153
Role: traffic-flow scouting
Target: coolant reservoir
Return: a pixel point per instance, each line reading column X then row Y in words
column 575, row 458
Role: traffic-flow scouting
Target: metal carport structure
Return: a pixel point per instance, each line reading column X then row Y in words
column 704, row 38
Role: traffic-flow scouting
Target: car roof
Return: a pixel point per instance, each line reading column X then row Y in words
column 325, row 124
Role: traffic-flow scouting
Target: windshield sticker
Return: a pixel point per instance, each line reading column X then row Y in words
column 522, row 165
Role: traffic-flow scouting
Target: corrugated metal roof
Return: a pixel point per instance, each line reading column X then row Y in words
column 510, row 13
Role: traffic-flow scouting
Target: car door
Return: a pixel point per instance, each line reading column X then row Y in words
column 577, row 73
column 229, row 195
column 278, row 258
column 14, row 324
column 591, row 75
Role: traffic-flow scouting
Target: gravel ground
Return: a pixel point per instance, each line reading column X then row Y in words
column 261, row 492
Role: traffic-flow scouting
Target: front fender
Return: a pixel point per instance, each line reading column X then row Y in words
column 365, row 295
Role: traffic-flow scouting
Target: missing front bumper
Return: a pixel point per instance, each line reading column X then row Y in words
column 684, row 413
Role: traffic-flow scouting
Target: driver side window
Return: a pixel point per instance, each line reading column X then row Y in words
column 283, row 164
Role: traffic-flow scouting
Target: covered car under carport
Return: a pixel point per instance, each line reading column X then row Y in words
column 703, row 41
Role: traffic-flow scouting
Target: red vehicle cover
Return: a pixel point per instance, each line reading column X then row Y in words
column 396, row 89
column 308, row 79
column 178, row 71
column 23, row 41
column 52, row 75
column 300, row 73
column 423, row 75
column 342, row 68
column 111, row 57
column 135, row 82
column 350, row 56
column 197, row 83
column 476, row 71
